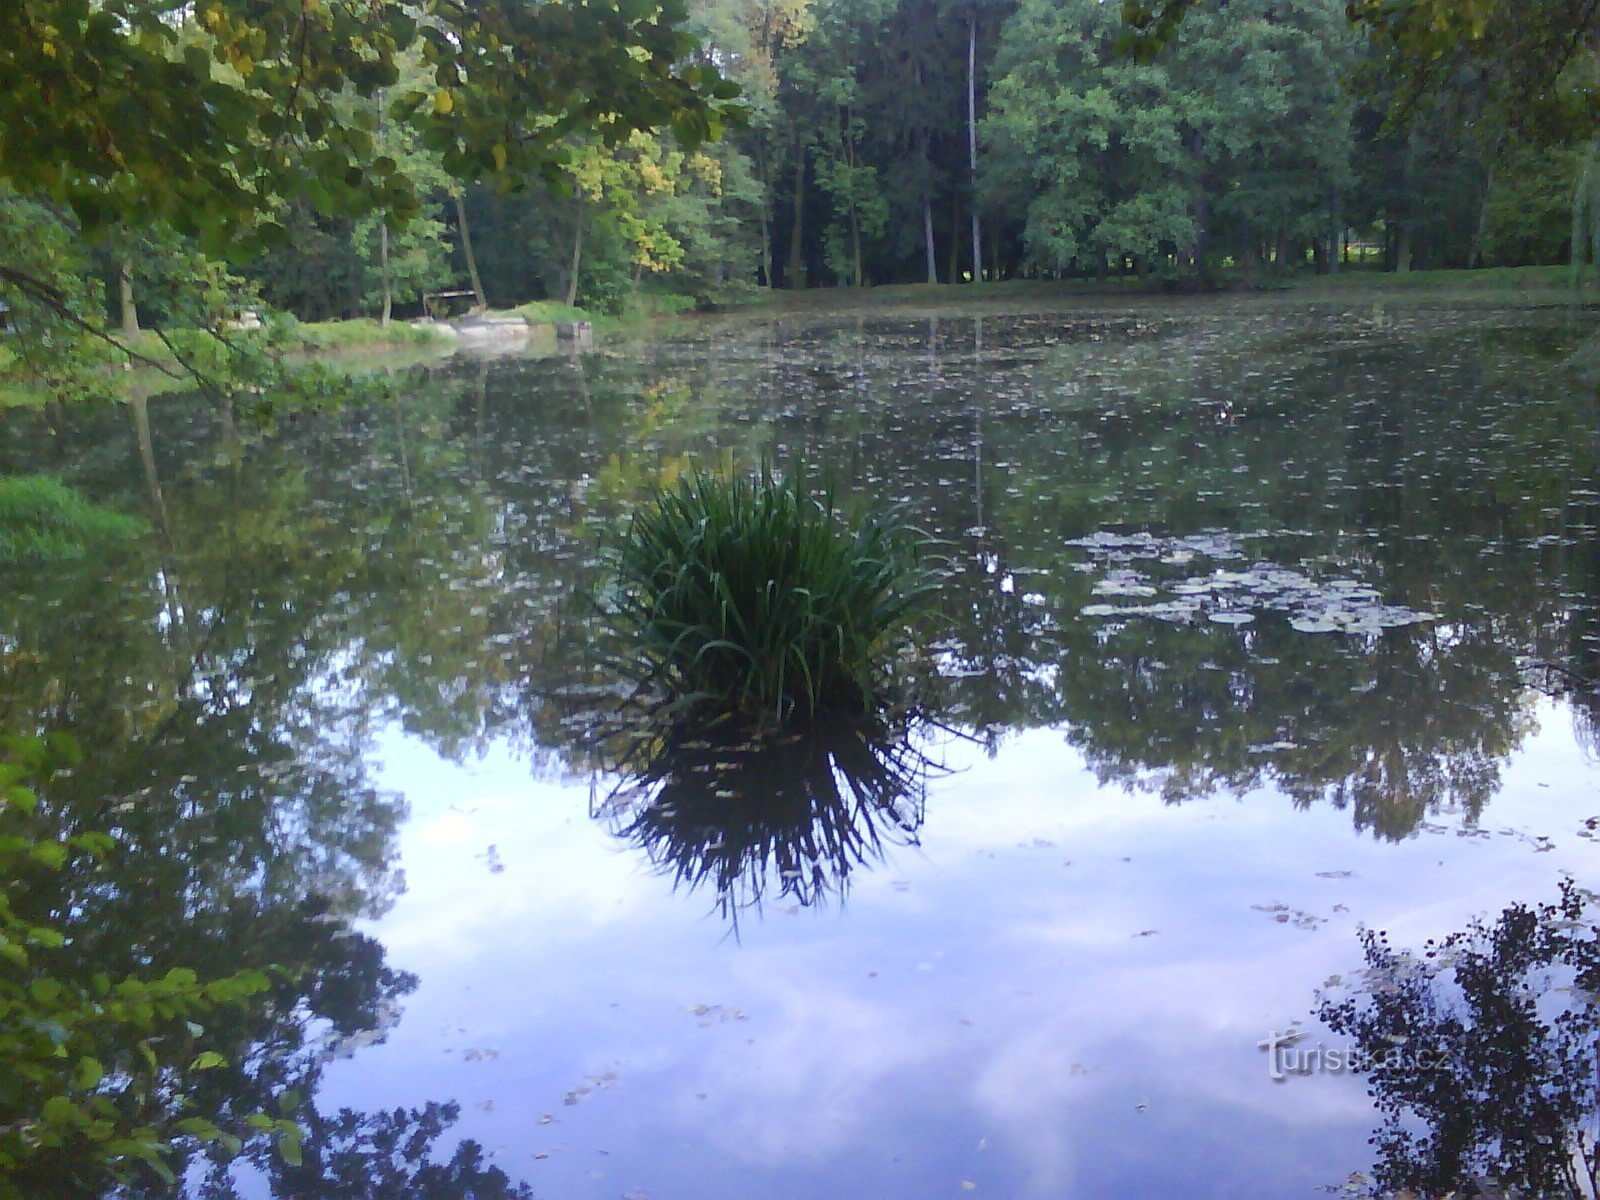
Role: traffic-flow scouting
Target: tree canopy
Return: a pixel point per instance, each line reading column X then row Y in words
column 209, row 116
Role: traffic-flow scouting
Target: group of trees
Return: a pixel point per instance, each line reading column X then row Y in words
column 892, row 141
column 340, row 159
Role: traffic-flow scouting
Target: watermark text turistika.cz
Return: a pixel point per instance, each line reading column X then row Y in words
column 1286, row 1057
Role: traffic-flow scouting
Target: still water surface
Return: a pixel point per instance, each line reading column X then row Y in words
column 340, row 704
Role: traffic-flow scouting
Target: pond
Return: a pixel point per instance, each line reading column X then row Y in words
column 1266, row 623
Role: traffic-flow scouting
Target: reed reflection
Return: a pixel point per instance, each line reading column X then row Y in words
column 784, row 819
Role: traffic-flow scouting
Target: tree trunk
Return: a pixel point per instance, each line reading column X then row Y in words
column 855, row 216
column 577, row 255
column 1335, row 228
column 1582, row 216
column 972, row 140
column 1405, row 233
column 383, row 266
column 130, row 312
column 797, row 231
column 1200, row 209
column 954, row 273
column 927, row 238
column 466, row 248
column 1481, row 230
column 764, row 209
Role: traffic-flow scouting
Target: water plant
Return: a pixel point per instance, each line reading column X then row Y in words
column 757, row 596
column 42, row 519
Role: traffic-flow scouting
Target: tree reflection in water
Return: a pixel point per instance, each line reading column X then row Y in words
column 385, row 1155
column 1483, row 1053
column 784, row 818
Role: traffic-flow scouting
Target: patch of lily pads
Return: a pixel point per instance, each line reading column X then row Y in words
column 1225, row 596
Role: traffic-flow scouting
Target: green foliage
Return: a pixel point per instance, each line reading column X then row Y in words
column 42, row 519
column 129, row 111
column 1228, row 144
column 754, row 597
column 84, row 1060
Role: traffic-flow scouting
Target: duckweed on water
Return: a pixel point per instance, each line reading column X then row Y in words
column 1225, row 597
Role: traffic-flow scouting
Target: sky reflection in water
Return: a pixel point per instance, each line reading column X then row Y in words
column 1060, row 992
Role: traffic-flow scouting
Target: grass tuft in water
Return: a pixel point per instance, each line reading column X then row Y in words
column 755, row 597
column 43, row 520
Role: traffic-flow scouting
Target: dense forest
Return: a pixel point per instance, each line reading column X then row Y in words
column 902, row 141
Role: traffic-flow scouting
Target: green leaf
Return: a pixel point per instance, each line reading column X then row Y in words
column 289, row 1139
column 90, row 1073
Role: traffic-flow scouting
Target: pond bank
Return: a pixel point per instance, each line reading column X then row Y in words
column 1507, row 287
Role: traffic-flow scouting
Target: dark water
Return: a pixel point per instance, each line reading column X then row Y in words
column 339, row 704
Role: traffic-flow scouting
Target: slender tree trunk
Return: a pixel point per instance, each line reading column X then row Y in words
column 130, row 312
column 1406, row 232
column 466, row 248
column 383, row 266
column 797, row 230
column 855, row 215
column 577, row 254
column 927, row 194
column 765, row 211
column 954, row 273
column 1481, row 229
column 1582, row 216
column 1335, row 227
column 972, row 141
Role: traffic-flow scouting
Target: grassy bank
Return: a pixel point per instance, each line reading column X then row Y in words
column 1498, row 285
column 1506, row 283
column 641, row 309
column 356, row 346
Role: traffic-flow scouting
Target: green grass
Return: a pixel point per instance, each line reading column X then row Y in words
column 550, row 312
column 640, row 308
column 751, row 597
column 43, row 520
column 365, row 331
column 1489, row 279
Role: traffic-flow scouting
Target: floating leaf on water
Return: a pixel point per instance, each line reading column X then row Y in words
column 1103, row 610
column 1313, row 625
column 1231, row 618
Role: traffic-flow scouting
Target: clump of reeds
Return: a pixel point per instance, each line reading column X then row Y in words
column 756, row 596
